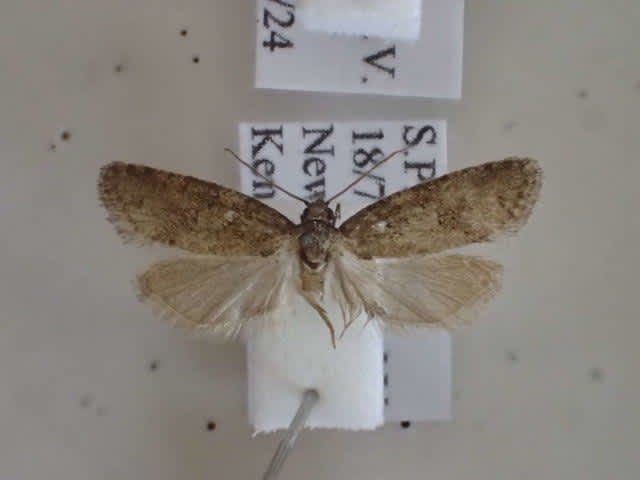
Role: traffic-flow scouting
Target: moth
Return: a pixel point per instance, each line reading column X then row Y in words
column 246, row 262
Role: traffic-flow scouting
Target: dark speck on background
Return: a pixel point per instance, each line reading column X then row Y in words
column 196, row 59
column 184, row 32
column 211, row 425
column 583, row 94
column 596, row 375
column 86, row 400
column 509, row 126
column 153, row 366
column 65, row 136
column 405, row 424
column 511, row 357
column 119, row 68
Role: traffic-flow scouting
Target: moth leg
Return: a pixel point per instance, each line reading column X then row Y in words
column 346, row 327
column 323, row 314
column 351, row 322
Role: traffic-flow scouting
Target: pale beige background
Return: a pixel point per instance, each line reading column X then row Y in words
column 547, row 383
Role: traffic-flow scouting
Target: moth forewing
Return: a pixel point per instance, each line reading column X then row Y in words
column 148, row 205
column 476, row 204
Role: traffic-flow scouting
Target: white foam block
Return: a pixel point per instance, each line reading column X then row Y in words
column 283, row 363
column 317, row 159
column 396, row 19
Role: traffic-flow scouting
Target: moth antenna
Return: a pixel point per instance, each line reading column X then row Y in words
column 368, row 172
column 271, row 182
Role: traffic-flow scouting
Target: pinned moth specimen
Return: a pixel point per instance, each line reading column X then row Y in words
column 246, row 261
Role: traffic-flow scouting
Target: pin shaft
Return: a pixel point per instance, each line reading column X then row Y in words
column 309, row 399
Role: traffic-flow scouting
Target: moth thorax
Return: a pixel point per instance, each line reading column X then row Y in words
column 314, row 245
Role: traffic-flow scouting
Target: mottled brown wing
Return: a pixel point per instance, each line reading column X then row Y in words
column 476, row 204
column 149, row 205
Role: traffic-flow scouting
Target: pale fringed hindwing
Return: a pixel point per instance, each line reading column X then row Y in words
column 230, row 296
column 443, row 291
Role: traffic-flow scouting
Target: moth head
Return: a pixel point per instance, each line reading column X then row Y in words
column 318, row 211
